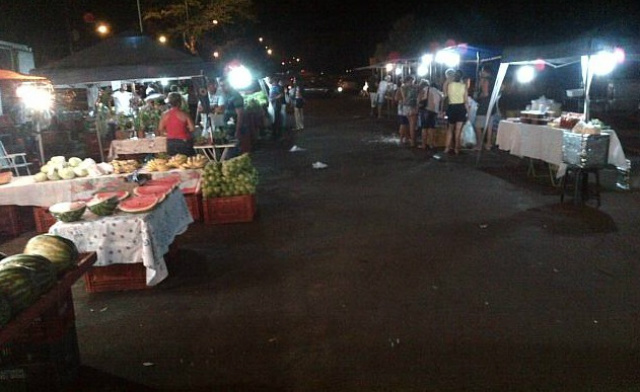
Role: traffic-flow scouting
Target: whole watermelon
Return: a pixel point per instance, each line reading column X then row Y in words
column 41, row 271
column 5, row 310
column 61, row 251
column 17, row 287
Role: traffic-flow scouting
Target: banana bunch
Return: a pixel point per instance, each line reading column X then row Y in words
column 122, row 166
column 177, row 160
column 157, row 165
column 196, row 162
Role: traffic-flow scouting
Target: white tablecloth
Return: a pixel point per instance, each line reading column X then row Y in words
column 131, row 238
column 24, row 191
column 137, row 146
column 545, row 143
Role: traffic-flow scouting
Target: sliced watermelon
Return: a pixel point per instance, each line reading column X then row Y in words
column 120, row 195
column 138, row 204
column 155, row 190
column 173, row 181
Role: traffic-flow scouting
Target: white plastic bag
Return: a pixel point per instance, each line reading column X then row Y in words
column 468, row 135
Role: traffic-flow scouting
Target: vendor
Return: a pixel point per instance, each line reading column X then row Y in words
column 234, row 116
column 178, row 127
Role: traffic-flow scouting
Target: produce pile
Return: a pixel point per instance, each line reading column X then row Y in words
column 124, row 166
column 25, row 277
column 177, row 161
column 58, row 168
column 233, row 177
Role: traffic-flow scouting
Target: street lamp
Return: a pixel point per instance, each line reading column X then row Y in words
column 102, row 29
column 37, row 98
column 162, row 39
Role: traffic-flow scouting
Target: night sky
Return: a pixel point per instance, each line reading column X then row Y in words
column 329, row 33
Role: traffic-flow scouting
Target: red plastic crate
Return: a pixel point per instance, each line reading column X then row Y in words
column 14, row 220
column 44, row 220
column 116, row 277
column 232, row 209
column 194, row 203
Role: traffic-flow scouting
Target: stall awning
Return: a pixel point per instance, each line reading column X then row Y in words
column 125, row 57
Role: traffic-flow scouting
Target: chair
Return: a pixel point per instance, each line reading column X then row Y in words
column 14, row 161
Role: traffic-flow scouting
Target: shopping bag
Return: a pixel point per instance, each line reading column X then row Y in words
column 468, row 135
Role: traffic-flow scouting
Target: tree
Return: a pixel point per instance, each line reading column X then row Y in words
column 191, row 19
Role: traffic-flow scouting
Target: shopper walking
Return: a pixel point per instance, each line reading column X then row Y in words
column 297, row 98
column 457, row 109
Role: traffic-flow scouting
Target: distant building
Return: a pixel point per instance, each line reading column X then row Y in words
column 16, row 57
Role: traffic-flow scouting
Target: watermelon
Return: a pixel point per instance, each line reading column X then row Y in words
column 138, row 204
column 120, row 195
column 103, row 206
column 61, row 251
column 68, row 211
column 155, row 190
column 16, row 286
column 5, row 310
column 172, row 181
column 40, row 269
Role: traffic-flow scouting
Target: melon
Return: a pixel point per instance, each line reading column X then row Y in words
column 103, row 205
column 138, row 204
column 120, row 195
column 5, row 310
column 16, row 286
column 61, row 251
column 68, row 211
column 53, row 175
column 155, row 190
column 40, row 177
column 74, row 161
column 172, row 181
column 66, row 173
column 80, row 171
column 41, row 271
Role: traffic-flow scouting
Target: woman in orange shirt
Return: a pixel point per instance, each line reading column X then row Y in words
column 178, row 127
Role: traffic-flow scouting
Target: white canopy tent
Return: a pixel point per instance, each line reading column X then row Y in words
column 582, row 50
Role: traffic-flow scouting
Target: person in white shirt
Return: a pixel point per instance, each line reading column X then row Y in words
column 122, row 100
column 383, row 89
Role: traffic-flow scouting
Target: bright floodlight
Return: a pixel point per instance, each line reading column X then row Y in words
column 164, row 82
column 35, row 97
column 388, row 67
column 449, row 58
column 240, row 77
column 398, row 70
column 603, row 63
column 427, row 58
column 526, row 73
column 423, row 69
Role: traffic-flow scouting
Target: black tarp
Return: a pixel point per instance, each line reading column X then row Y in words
column 125, row 57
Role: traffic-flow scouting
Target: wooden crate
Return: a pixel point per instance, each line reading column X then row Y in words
column 43, row 219
column 116, row 277
column 232, row 209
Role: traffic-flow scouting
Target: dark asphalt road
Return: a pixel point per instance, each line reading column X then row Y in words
column 386, row 271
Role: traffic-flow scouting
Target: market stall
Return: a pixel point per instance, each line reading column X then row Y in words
column 25, row 191
column 125, row 238
column 545, row 143
column 594, row 54
column 153, row 145
column 140, row 59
